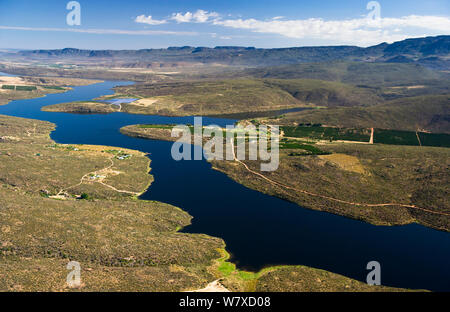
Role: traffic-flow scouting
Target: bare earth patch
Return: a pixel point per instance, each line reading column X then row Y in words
column 212, row 287
column 11, row 80
column 146, row 102
column 345, row 162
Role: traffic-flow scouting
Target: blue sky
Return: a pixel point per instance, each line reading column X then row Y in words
column 131, row 24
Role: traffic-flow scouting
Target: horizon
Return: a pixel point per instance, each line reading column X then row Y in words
column 218, row 47
column 108, row 25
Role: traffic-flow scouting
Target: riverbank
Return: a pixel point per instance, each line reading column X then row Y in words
column 380, row 184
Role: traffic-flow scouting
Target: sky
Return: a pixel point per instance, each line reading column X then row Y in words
column 131, row 24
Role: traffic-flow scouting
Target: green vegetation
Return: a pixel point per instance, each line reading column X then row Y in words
column 26, row 88
column 326, row 133
column 85, row 196
column 411, row 138
column 19, row 88
column 382, row 136
column 53, row 87
column 308, row 149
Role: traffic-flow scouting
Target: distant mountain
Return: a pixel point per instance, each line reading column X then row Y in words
column 432, row 52
column 363, row 74
column 421, row 46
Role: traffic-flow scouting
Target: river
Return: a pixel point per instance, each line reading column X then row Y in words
column 259, row 230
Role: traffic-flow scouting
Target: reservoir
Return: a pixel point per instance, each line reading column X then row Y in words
column 259, row 230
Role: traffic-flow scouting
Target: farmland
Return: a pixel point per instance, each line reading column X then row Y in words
column 381, row 136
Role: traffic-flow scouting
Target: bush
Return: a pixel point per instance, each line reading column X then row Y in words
column 85, row 196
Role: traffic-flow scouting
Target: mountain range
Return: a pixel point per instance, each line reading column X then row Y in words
column 432, row 52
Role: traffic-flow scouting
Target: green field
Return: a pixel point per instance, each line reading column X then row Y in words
column 53, row 87
column 382, row 136
column 326, row 133
column 26, row 88
column 19, row 88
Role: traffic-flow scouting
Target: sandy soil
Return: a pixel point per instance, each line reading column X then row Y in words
column 145, row 102
column 11, row 80
column 410, row 87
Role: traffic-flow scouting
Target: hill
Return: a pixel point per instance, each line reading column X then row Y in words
column 233, row 96
column 431, row 113
column 362, row 74
column 417, row 50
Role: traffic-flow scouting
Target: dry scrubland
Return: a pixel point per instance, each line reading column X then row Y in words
column 82, row 108
column 378, row 174
column 123, row 244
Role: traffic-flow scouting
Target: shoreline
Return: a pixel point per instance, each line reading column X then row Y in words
column 222, row 166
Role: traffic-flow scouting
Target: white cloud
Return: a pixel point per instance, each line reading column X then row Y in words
column 102, row 31
column 360, row 31
column 200, row 16
column 149, row 20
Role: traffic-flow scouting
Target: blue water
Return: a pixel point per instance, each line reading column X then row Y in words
column 259, row 230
